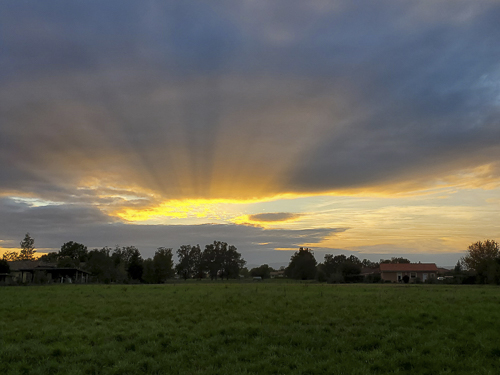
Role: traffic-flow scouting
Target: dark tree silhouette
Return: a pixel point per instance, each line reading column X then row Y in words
column 302, row 265
column 134, row 266
column 189, row 258
column 263, row 271
column 484, row 259
column 231, row 261
column 27, row 248
column 222, row 260
column 395, row 260
column 163, row 264
column 340, row 268
column 212, row 260
column 101, row 265
column 74, row 250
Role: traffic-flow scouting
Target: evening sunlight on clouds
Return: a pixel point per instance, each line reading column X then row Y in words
column 370, row 127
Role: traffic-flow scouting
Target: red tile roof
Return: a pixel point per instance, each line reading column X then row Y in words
column 408, row 267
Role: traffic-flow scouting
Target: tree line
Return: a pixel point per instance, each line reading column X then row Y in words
column 218, row 260
column 334, row 268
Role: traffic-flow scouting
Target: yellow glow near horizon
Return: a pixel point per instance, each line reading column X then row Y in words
column 180, row 209
column 247, row 219
column 38, row 252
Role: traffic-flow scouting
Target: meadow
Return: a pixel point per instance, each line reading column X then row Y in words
column 250, row 328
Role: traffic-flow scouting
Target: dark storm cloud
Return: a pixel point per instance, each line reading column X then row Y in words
column 244, row 98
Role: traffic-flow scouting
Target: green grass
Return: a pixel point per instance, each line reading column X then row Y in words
column 250, row 328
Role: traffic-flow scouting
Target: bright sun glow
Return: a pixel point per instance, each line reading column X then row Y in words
column 182, row 209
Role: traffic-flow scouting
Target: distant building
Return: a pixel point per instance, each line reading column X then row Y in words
column 274, row 274
column 407, row 272
column 31, row 271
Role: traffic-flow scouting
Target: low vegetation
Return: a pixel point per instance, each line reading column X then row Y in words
column 273, row 327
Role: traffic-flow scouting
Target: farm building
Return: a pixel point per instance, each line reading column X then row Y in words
column 30, row 271
column 407, row 272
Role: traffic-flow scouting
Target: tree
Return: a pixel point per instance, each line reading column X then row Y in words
column 197, row 259
column 484, row 259
column 10, row 256
column 212, row 259
column 27, row 248
column 302, row 265
column 51, row 257
column 160, row 268
column 369, row 264
column 101, row 265
column 331, row 264
column 185, row 267
column 231, row 261
column 148, row 273
column 67, row 262
column 221, row 260
column 163, row 264
column 74, row 250
column 244, row 272
column 263, row 271
column 350, row 271
column 340, row 268
column 395, row 260
column 134, row 264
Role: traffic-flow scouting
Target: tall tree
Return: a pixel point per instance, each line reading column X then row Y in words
column 27, row 248
column 197, row 259
column 212, row 260
column 231, row 261
column 163, row 264
column 302, row 265
column 121, row 260
column 484, row 258
column 74, row 250
column 101, row 265
column 222, row 260
column 134, row 264
column 185, row 266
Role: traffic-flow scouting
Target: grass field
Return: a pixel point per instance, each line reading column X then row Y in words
column 250, row 328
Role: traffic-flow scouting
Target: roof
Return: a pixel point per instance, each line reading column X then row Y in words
column 408, row 267
column 22, row 264
column 53, row 269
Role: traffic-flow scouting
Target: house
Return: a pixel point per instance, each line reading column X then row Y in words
column 275, row 274
column 30, row 271
column 407, row 272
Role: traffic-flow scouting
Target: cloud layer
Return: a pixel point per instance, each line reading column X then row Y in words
column 242, row 99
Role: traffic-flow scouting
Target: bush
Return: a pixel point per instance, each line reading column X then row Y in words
column 321, row 276
column 373, row 278
column 336, row 278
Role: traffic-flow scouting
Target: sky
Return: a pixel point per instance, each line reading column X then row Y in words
column 349, row 127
